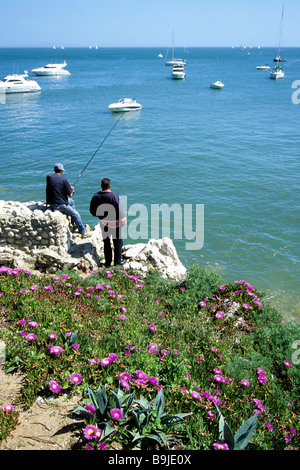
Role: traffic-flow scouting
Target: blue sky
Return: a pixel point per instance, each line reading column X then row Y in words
column 147, row 23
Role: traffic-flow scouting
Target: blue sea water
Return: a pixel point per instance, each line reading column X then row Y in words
column 234, row 151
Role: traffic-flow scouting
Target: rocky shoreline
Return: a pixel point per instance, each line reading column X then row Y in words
column 35, row 238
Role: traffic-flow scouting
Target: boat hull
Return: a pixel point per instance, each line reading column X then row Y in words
column 21, row 89
column 45, row 73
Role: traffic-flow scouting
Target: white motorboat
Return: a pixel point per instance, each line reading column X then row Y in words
column 51, row 69
column 277, row 73
column 125, row 104
column 178, row 72
column 263, row 67
column 16, row 83
column 217, row 85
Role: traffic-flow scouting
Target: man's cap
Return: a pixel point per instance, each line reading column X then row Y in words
column 59, row 166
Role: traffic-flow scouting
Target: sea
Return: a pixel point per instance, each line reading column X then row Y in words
column 215, row 170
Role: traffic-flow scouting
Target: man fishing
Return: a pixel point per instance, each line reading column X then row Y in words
column 105, row 204
column 58, row 196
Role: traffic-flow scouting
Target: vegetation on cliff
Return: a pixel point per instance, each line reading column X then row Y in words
column 199, row 364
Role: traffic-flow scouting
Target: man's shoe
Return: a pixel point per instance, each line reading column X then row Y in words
column 85, row 235
column 123, row 261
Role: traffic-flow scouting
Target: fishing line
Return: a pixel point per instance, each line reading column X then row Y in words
column 80, row 174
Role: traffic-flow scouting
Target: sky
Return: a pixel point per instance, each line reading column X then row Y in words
column 148, row 23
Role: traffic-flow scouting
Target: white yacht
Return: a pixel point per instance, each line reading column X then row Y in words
column 51, row 69
column 263, row 67
column 125, row 104
column 217, row 85
column 178, row 72
column 16, row 83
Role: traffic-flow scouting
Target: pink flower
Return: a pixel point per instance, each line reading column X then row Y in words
column 222, row 287
column 54, row 386
column 8, row 408
column 122, row 317
column 152, row 327
column 210, row 414
column 106, row 361
column 89, row 432
column 195, row 395
column 75, row 378
column 30, row 337
column 220, row 445
column 55, row 349
column 202, row 304
column 287, row 363
column 116, row 413
column 52, row 336
column 245, row 383
column 220, row 314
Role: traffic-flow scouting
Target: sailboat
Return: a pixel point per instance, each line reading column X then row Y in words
column 174, row 61
column 277, row 71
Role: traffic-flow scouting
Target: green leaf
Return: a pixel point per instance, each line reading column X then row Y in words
column 225, row 432
column 244, row 433
column 159, row 403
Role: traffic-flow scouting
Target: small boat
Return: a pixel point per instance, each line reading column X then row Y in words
column 178, row 72
column 16, row 83
column 217, row 85
column 174, row 61
column 277, row 73
column 124, row 105
column 263, row 67
column 51, row 69
column 279, row 59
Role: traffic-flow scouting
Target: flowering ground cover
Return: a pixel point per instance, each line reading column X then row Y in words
column 198, row 364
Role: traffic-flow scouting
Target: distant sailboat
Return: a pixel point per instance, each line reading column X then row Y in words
column 278, row 72
column 173, row 61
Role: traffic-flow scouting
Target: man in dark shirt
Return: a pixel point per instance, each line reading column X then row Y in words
column 105, row 205
column 58, row 196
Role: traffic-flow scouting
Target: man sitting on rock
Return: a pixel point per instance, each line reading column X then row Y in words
column 58, row 196
column 105, row 205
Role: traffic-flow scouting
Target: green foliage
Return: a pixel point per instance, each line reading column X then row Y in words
column 243, row 435
column 178, row 355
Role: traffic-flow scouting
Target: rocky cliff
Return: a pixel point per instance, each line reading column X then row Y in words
column 35, row 238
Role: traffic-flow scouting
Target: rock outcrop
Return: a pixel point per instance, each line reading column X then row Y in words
column 35, row 238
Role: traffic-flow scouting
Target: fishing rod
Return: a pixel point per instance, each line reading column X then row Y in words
column 80, row 174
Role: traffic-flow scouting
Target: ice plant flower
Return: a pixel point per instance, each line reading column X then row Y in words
column 116, row 413
column 22, row 322
column 75, row 378
column 8, row 408
column 30, row 337
column 34, row 324
column 106, row 361
column 220, row 314
column 287, row 363
column 54, row 386
column 195, row 395
column 55, row 349
column 89, row 432
column 52, row 335
column 152, row 327
column 221, row 445
column 122, row 317
column 245, row 383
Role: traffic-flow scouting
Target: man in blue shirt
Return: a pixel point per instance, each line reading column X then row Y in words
column 58, row 196
column 105, row 205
